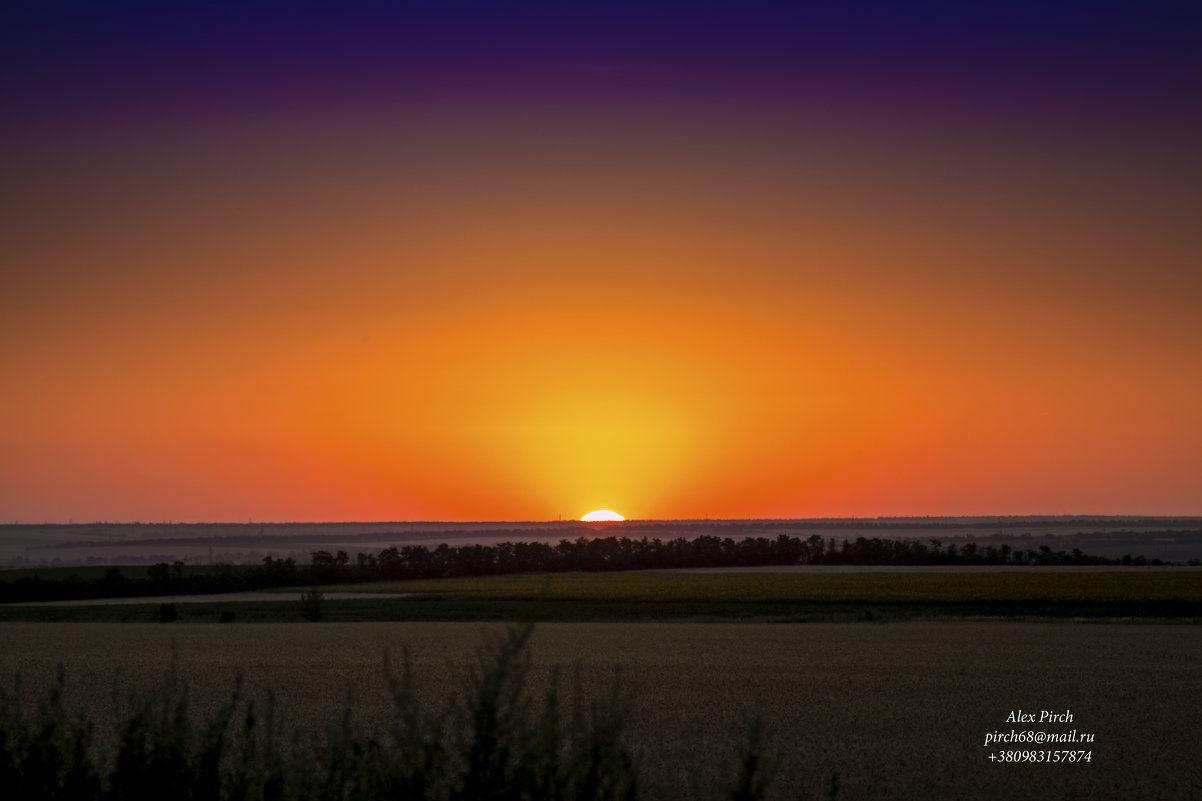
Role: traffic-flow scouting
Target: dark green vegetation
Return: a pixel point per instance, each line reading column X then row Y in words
column 447, row 610
column 582, row 554
column 312, row 605
column 85, row 573
column 493, row 741
column 800, row 595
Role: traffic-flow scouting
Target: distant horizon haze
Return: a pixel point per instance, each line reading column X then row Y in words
column 601, row 524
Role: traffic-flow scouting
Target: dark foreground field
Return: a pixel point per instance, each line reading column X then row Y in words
column 849, row 711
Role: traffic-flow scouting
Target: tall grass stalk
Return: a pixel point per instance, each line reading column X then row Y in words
column 494, row 741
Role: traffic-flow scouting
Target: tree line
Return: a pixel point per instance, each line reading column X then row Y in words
column 582, row 554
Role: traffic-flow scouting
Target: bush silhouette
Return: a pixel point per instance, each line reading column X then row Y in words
column 312, row 605
column 165, row 613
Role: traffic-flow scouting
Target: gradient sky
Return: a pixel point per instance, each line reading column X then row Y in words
column 510, row 261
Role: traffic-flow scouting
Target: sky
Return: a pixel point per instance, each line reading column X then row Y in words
column 518, row 261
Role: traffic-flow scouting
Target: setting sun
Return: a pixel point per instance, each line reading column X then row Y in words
column 741, row 289
column 601, row 516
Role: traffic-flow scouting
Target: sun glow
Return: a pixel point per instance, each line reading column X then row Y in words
column 601, row 515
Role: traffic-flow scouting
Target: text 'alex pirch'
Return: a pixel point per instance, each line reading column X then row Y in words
column 1046, row 716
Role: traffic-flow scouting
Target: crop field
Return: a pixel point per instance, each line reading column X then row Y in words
column 895, row 585
column 850, row 711
column 803, row 595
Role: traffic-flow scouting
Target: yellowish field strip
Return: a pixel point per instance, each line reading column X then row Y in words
column 1013, row 585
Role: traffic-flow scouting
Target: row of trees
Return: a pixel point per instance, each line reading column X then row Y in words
column 622, row 553
column 583, row 553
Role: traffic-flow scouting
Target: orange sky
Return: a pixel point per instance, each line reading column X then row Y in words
column 471, row 314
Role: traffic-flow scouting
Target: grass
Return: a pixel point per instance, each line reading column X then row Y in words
column 894, row 595
column 492, row 741
column 883, row 587
column 671, row 595
column 436, row 609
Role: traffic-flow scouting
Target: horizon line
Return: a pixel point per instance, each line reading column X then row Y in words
column 561, row 521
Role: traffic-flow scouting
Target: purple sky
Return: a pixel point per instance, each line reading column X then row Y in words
column 1130, row 64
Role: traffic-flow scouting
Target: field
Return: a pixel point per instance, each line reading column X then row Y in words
column 872, row 711
column 809, row 584
column 808, row 594
column 898, row 707
column 803, row 594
